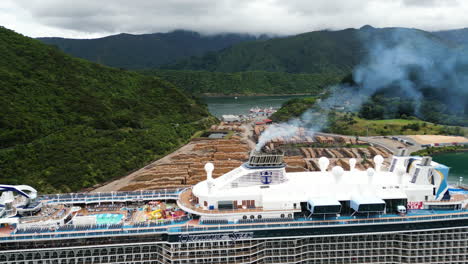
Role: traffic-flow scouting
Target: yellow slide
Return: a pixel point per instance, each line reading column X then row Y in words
column 156, row 214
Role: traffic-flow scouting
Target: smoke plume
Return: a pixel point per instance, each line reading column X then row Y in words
column 407, row 63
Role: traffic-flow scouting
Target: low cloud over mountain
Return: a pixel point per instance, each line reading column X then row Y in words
column 97, row 18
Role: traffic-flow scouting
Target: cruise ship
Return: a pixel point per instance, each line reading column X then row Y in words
column 258, row 213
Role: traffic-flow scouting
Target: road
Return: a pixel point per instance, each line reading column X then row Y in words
column 247, row 135
column 391, row 145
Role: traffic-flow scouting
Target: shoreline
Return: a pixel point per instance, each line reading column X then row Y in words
column 439, row 150
column 450, row 151
column 209, row 95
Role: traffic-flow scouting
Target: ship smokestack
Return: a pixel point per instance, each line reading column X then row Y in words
column 266, row 159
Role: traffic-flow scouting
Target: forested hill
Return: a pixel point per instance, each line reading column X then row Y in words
column 148, row 50
column 336, row 52
column 66, row 123
column 247, row 83
column 314, row 52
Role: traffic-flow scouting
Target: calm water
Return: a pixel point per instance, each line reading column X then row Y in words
column 458, row 163
column 219, row 106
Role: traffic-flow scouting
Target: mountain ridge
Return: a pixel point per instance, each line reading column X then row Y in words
column 308, row 52
column 312, row 52
column 142, row 51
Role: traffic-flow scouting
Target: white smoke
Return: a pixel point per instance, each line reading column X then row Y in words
column 408, row 60
column 284, row 130
column 313, row 120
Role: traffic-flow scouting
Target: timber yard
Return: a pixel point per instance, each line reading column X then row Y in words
column 228, row 144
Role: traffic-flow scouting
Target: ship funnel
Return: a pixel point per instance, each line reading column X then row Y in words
column 352, row 164
column 266, row 159
column 323, row 164
column 338, row 172
column 378, row 160
column 370, row 175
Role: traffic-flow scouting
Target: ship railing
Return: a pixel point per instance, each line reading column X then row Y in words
column 182, row 227
column 323, row 223
column 110, row 196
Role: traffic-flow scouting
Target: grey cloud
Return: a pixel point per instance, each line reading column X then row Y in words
column 430, row 3
column 249, row 16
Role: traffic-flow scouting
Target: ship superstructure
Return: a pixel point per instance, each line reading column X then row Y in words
column 257, row 213
column 262, row 188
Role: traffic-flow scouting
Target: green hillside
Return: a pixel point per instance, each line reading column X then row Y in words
column 148, row 50
column 66, row 123
column 246, row 83
column 349, row 123
column 315, row 52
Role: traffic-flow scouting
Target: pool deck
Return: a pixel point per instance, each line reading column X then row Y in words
column 194, row 225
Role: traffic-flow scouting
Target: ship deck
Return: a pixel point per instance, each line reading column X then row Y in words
column 189, row 225
column 186, row 224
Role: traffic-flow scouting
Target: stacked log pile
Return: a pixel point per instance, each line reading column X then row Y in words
column 340, row 156
column 295, row 164
column 324, row 139
column 186, row 169
column 237, row 127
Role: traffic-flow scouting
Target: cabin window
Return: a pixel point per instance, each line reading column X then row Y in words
column 225, row 205
column 205, row 203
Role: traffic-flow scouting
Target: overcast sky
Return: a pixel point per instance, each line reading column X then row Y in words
column 97, row 18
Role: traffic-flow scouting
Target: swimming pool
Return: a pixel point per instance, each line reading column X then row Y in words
column 103, row 219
